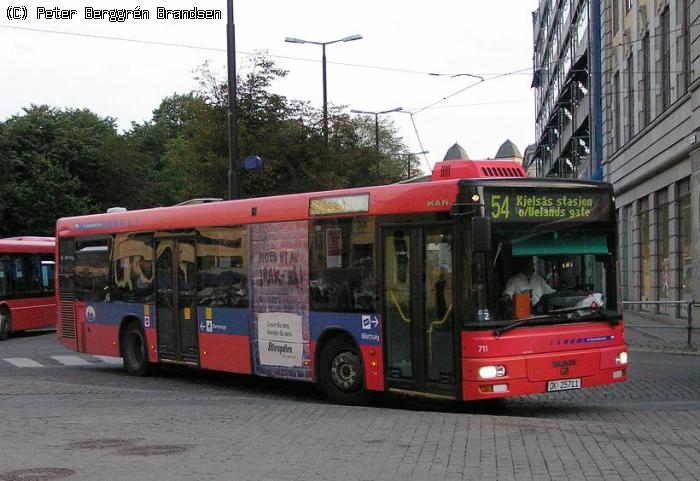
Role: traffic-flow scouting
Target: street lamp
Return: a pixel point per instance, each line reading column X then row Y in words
column 376, row 125
column 408, row 160
column 234, row 181
column 325, row 89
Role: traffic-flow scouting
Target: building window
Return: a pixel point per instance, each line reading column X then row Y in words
column 686, row 253
column 665, row 60
column 628, row 5
column 615, row 16
column 646, row 84
column 664, row 244
column 616, row 110
column 630, row 97
column 684, row 42
column 624, row 251
column 645, row 254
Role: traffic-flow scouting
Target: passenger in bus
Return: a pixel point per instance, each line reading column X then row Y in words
column 525, row 280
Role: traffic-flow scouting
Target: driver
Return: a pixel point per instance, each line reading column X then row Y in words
column 525, row 280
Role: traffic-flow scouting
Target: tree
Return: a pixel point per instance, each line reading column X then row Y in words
column 65, row 162
column 286, row 133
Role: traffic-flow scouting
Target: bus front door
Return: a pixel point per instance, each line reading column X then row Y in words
column 419, row 310
column 176, row 308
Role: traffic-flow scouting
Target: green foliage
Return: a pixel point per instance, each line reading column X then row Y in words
column 63, row 162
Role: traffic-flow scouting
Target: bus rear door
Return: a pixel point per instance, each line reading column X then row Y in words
column 176, row 295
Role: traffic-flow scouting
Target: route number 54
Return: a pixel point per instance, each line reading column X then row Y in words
column 500, row 206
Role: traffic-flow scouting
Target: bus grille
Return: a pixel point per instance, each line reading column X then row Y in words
column 67, row 319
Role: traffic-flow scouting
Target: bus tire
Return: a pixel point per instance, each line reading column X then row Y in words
column 341, row 373
column 5, row 323
column 135, row 350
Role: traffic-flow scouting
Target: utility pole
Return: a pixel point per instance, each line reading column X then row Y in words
column 376, row 126
column 408, row 161
column 323, row 61
column 234, row 181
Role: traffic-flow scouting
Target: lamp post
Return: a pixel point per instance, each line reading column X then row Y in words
column 408, row 161
column 234, row 182
column 376, row 126
column 323, row 58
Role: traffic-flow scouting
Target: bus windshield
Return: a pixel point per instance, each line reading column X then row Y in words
column 551, row 251
column 530, row 273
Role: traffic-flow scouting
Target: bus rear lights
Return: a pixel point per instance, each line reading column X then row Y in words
column 372, row 352
column 492, row 372
column 618, row 374
column 494, row 388
column 373, row 363
column 621, row 359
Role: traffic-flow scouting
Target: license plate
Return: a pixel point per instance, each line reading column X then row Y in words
column 564, row 384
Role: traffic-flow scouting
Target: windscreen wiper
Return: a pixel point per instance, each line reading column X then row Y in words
column 518, row 323
column 612, row 320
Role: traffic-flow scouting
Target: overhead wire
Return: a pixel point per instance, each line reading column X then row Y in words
column 242, row 52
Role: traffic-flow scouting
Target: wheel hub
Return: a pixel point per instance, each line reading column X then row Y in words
column 4, row 325
column 345, row 371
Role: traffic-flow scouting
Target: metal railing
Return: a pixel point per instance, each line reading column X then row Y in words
column 688, row 327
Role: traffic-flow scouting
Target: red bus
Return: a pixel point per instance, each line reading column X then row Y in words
column 390, row 288
column 27, row 297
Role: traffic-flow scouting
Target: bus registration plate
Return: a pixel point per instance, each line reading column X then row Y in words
column 564, row 384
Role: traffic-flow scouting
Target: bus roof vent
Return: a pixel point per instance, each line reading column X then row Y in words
column 113, row 210
column 477, row 169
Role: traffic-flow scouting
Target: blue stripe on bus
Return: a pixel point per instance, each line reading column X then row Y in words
column 112, row 313
column 366, row 328
column 224, row 320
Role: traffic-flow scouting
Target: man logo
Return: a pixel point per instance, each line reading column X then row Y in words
column 90, row 314
column 438, row 203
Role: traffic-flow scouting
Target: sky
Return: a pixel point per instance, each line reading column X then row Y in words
column 403, row 41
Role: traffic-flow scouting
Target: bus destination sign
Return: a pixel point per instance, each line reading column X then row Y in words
column 541, row 205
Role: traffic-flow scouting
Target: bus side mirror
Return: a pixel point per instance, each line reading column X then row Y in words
column 481, row 234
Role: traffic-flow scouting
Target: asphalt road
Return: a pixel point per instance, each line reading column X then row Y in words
column 72, row 416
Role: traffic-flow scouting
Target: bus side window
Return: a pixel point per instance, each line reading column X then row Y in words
column 341, row 259
column 47, row 274
column 91, row 270
column 131, row 268
column 26, row 278
column 4, row 276
column 222, row 267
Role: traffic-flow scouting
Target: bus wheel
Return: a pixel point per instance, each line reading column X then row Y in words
column 4, row 323
column 340, row 372
column 135, row 350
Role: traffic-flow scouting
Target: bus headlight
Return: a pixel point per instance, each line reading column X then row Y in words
column 491, row 372
column 621, row 359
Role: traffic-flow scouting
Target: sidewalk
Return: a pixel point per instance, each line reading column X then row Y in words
column 658, row 332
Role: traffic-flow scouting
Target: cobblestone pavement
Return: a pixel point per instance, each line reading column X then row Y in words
column 100, row 424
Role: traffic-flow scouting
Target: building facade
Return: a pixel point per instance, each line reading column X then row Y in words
column 650, row 101
column 567, row 85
